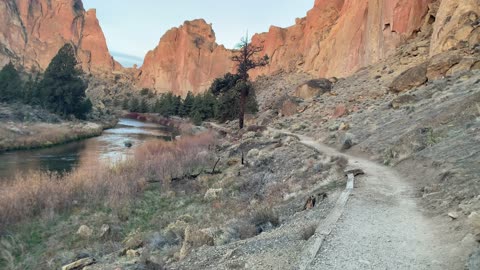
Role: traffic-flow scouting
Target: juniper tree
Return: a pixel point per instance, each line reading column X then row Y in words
column 246, row 59
column 62, row 90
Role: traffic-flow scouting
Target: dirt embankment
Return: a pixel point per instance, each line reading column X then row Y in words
column 24, row 127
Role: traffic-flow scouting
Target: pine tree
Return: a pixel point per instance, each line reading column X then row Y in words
column 61, row 90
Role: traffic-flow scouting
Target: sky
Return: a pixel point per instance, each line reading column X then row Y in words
column 132, row 28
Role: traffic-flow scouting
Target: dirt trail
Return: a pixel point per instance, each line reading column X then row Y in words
column 381, row 226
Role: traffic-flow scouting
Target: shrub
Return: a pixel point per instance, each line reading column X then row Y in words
column 32, row 194
column 263, row 216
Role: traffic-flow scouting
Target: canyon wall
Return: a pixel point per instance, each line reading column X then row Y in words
column 336, row 38
column 32, row 32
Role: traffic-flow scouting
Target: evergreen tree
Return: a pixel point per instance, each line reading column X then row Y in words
column 204, row 107
column 143, row 106
column 30, row 91
column 84, row 108
column 187, row 105
column 134, row 105
column 10, row 84
column 61, row 90
column 228, row 104
column 246, row 60
column 196, row 118
column 157, row 107
column 225, row 84
column 209, row 105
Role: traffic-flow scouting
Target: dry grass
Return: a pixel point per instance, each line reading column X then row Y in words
column 36, row 193
column 15, row 136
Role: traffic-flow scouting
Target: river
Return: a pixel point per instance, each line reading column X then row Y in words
column 109, row 147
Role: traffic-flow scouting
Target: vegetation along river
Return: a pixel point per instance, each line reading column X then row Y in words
column 111, row 146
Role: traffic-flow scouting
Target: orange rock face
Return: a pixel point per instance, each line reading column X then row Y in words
column 336, row 38
column 186, row 59
column 340, row 36
column 32, row 32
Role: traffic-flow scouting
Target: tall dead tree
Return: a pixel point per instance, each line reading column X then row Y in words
column 246, row 59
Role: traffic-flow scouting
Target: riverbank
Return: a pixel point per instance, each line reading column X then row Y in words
column 23, row 127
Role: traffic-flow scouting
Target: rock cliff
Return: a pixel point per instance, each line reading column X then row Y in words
column 187, row 58
column 336, row 38
column 32, row 32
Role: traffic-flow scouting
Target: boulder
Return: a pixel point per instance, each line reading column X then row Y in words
column 80, row 264
column 313, row 88
column 194, row 239
column 131, row 253
column 133, row 242
column 474, row 220
column 344, row 126
column 466, row 64
column 410, row 78
column 105, row 230
column 213, row 193
column 84, row 231
column 440, row 64
column 453, row 215
column 347, row 141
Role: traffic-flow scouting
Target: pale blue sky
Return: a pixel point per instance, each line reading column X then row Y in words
column 132, row 28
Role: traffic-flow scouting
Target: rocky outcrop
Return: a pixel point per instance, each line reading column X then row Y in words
column 32, row 32
column 186, row 59
column 313, row 88
column 338, row 37
column 457, row 25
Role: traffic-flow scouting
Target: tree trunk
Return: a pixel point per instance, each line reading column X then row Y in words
column 243, row 101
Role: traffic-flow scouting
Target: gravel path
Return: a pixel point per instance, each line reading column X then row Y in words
column 381, row 227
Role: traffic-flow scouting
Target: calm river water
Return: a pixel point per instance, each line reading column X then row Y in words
column 109, row 147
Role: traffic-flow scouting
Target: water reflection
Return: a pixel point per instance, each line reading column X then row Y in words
column 109, row 147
